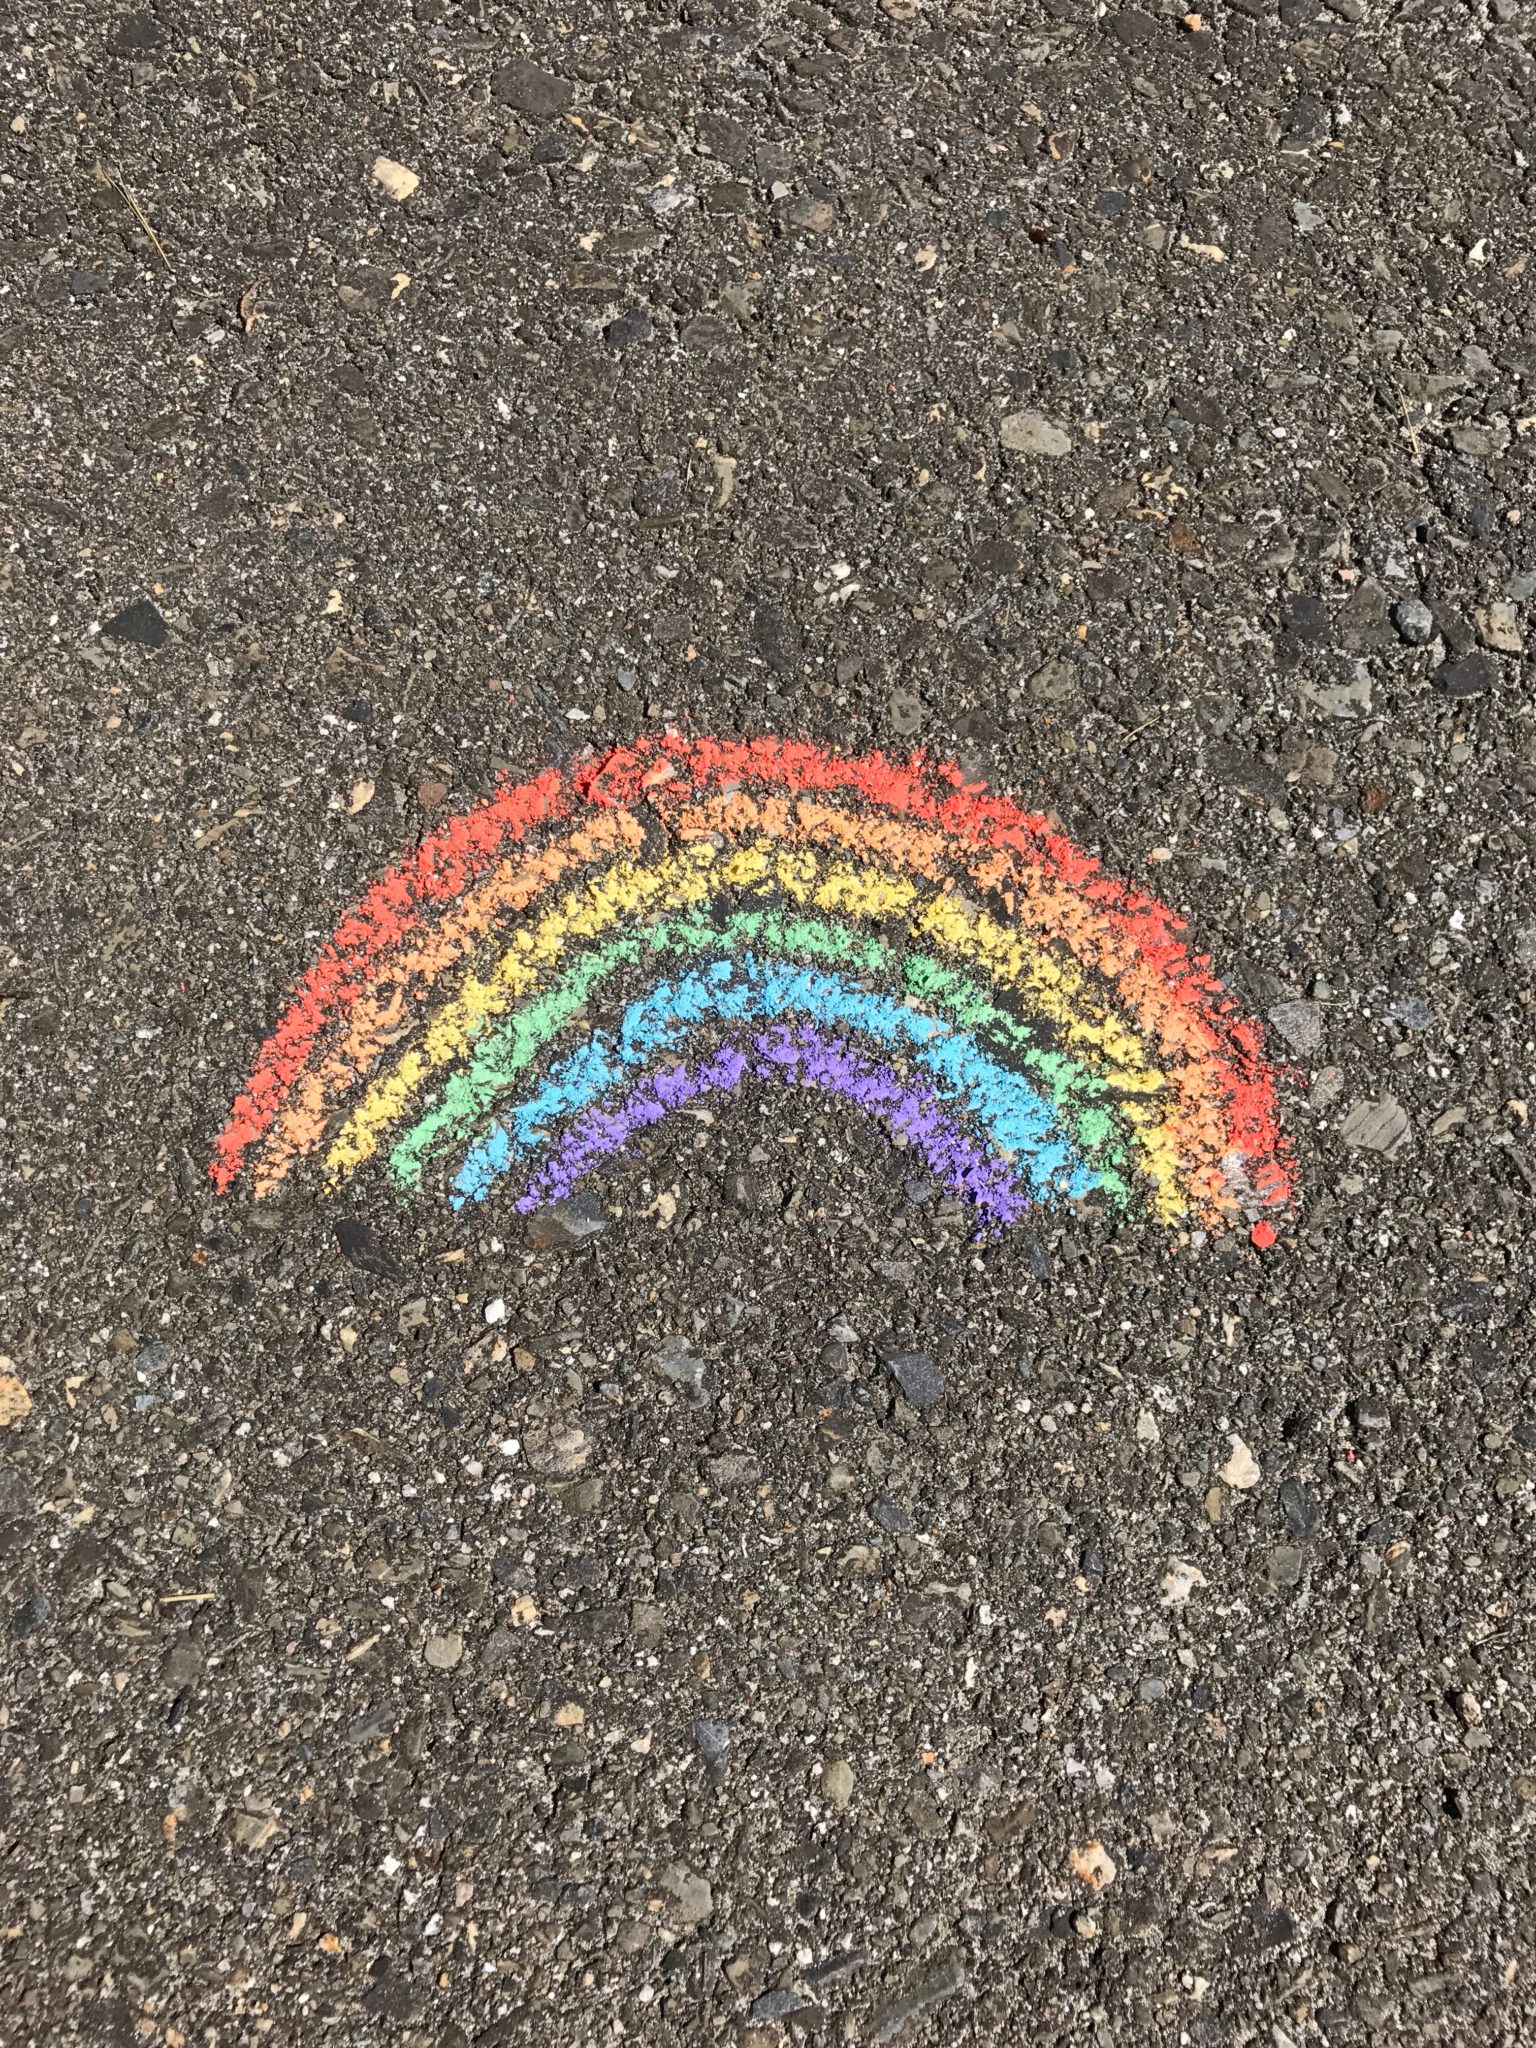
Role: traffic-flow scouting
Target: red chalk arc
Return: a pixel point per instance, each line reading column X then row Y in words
column 1006, row 894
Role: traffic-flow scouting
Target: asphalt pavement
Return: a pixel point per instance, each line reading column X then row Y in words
column 750, row 1604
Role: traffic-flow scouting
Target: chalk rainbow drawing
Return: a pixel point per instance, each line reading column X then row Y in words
column 886, row 931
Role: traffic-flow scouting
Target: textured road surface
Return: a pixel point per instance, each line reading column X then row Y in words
column 658, row 374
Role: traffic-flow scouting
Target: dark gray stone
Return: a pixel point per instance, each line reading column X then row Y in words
column 529, row 90
column 1131, row 27
column 1299, row 1507
column 712, row 1739
column 1471, row 676
column 919, row 1377
column 30, row 1614
column 139, row 623
column 779, row 2004
column 628, row 330
column 1414, row 621
column 1307, row 619
column 1286, row 1564
column 565, row 1224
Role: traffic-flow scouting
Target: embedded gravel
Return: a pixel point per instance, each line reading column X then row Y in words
column 752, row 1612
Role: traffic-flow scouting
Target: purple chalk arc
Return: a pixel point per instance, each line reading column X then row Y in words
column 789, row 1055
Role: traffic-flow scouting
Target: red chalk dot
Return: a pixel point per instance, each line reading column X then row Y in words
column 1263, row 1235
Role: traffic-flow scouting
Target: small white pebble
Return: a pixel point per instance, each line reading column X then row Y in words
column 496, row 1311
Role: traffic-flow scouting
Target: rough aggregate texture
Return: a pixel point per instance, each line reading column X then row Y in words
column 744, row 1610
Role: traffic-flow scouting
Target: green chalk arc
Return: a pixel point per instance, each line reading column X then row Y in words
column 1084, row 1101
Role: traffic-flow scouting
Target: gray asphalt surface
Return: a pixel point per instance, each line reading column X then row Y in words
column 324, row 1718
